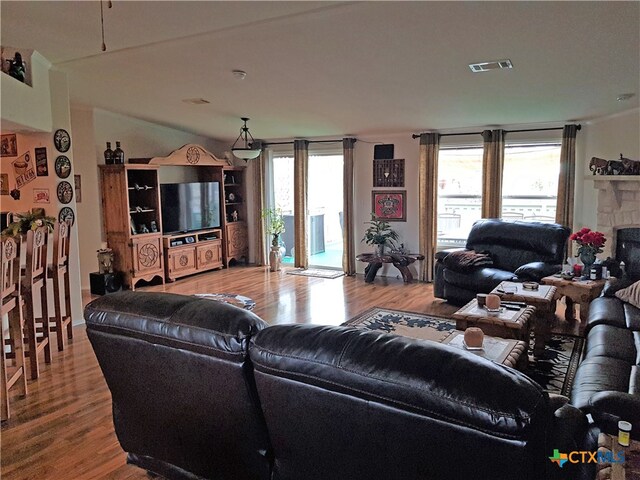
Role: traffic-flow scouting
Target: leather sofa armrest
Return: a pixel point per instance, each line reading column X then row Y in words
column 609, row 407
column 556, row 401
column 536, row 271
column 570, row 427
column 443, row 253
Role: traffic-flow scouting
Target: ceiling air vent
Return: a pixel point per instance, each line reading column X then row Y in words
column 486, row 66
column 196, row 101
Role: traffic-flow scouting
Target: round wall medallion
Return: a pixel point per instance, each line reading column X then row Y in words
column 65, row 192
column 66, row 213
column 62, row 140
column 63, row 166
column 193, row 155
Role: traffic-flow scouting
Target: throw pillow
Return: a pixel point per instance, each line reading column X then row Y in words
column 466, row 260
column 631, row 294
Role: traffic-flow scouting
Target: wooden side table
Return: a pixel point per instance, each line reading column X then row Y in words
column 399, row 260
column 628, row 470
column 581, row 292
column 506, row 324
column 543, row 299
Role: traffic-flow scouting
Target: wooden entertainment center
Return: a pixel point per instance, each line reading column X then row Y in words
column 132, row 215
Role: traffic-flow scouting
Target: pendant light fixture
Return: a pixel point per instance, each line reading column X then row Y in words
column 244, row 150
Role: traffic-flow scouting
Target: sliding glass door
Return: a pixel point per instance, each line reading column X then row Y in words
column 324, row 206
column 325, row 210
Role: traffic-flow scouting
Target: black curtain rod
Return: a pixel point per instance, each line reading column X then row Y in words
column 414, row 136
column 310, row 141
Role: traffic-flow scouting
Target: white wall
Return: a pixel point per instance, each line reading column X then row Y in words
column 606, row 138
column 138, row 139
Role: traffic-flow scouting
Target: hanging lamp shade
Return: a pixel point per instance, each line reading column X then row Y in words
column 242, row 147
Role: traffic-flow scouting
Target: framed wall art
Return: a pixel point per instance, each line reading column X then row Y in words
column 388, row 172
column 9, row 145
column 62, row 140
column 4, row 184
column 64, row 192
column 77, row 184
column 41, row 195
column 63, row 166
column 42, row 168
column 389, row 205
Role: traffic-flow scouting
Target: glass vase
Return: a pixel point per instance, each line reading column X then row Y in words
column 587, row 259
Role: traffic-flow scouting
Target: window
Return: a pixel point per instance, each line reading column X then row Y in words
column 530, row 182
column 459, row 194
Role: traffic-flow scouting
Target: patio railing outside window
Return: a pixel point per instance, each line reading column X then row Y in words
column 530, row 181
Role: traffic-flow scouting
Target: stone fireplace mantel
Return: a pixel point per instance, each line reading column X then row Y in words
column 618, row 204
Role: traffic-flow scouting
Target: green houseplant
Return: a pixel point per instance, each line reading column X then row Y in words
column 380, row 234
column 23, row 222
column 275, row 224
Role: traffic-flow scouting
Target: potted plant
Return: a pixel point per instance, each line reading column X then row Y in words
column 23, row 222
column 380, row 234
column 275, row 228
column 275, row 224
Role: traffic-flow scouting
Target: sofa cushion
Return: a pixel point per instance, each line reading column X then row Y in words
column 608, row 341
column 606, row 311
column 631, row 294
column 482, row 280
column 599, row 374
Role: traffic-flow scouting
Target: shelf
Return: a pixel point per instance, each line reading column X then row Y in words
column 145, row 189
column 142, row 211
column 234, row 203
column 232, row 184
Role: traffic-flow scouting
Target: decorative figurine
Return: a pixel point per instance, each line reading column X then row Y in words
column 105, row 260
column 234, row 216
column 17, row 67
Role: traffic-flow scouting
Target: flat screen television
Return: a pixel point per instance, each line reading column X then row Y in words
column 187, row 207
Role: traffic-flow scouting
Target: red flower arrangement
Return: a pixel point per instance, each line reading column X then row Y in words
column 590, row 242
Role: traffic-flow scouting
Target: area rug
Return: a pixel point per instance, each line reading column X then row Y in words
column 554, row 371
column 316, row 272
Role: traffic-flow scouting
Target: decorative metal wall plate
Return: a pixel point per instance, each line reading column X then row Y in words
column 64, row 192
column 63, row 166
column 62, row 140
column 66, row 213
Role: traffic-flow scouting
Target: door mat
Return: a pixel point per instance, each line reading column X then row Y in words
column 554, row 371
column 316, row 272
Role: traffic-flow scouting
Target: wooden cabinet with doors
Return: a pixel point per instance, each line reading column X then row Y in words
column 132, row 221
column 191, row 253
column 234, row 217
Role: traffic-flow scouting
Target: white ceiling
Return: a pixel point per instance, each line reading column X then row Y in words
column 334, row 68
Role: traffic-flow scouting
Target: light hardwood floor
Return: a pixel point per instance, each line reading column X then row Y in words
column 63, row 428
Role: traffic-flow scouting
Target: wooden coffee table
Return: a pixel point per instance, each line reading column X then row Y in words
column 506, row 324
column 512, row 353
column 543, row 299
column 581, row 292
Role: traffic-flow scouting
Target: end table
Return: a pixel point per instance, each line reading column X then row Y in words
column 581, row 292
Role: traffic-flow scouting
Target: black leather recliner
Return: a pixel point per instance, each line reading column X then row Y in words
column 520, row 251
column 322, row 403
column 184, row 400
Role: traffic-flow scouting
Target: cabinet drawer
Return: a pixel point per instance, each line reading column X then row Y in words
column 180, row 260
column 209, row 255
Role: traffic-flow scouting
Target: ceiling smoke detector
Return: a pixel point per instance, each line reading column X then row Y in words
column 623, row 97
column 239, row 74
column 493, row 65
column 196, row 101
